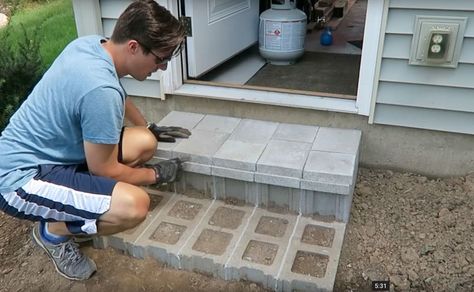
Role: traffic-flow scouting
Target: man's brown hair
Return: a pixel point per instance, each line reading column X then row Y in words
column 151, row 25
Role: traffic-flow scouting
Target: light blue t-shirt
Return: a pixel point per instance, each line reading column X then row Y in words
column 79, row 99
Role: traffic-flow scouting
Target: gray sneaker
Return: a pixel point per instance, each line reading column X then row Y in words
column 68, row 260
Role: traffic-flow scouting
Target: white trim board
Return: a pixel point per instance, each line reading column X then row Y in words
column 269, row 97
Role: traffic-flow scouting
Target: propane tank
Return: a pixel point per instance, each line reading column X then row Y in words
column 282, row 33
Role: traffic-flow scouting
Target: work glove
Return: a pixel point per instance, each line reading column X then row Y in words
column 168, row 134
column 167, row 171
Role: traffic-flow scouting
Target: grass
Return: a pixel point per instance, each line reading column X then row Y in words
column 57, row 26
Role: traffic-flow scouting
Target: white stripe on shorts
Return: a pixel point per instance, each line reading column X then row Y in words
column 94, row 203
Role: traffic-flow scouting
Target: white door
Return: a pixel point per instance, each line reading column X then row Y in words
column 220, row 30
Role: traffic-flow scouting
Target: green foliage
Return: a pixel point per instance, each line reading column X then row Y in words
column 38, row 31
column 20, row 70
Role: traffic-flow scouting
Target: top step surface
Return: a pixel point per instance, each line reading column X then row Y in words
column 291, row 155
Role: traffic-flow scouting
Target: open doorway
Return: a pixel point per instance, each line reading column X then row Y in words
column 322, row 70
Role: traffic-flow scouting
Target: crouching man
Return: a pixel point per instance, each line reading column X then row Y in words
column 67, row 161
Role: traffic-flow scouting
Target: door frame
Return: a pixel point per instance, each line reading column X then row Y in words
column 173, row 79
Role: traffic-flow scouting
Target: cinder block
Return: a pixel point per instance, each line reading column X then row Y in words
column 296, row 133
column 254, row 131
column 171, row 229
column 308, row 266
column 259, row 255
column 196, row 185
column 337, row 140
column 201, row 146
column 284, row 158
column 124, row 240
column 328, row 167
column 326, row 204
column 239, row 155
column 214, row 240
column 279, row 199
column 237, row 191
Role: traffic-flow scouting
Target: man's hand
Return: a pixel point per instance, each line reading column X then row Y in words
column 166, row 171
column 168, row 134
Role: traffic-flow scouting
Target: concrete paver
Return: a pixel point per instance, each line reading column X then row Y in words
column 296, row 133
column 337, row 140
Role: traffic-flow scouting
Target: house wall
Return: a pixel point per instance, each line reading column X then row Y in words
column 418, row 96
column 408, row 96
column 433, row 153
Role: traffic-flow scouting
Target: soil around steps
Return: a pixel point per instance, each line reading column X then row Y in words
column 415, row 231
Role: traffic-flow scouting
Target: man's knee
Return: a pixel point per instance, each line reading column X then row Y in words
column 129, row 206
column 150, row 144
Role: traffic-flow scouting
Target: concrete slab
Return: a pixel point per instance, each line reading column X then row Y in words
column 179, row 119
column 201, row 146
column 215, row 123
column 328, row 167
column 337, row 140
column 284, row 158
column 254, row 131
column 197, row 168
column 277, row 180
column 233, row 173
column 238, row 155
column 296, row 133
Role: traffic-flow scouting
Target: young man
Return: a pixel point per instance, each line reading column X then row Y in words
column 65, row 159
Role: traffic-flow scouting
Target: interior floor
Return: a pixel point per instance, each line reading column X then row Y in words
column 330, row 69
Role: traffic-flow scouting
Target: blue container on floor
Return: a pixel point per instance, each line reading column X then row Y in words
column 326, row 37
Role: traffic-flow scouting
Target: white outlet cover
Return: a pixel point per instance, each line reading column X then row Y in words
column 424, row 26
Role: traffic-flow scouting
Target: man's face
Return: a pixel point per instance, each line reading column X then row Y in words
column 146, row 64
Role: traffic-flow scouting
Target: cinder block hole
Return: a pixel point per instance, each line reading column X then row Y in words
column 154, row 201
column 227, row 218
column 168, row 233
column 318, row 235
column 308, row 263
column 260, row 252
column 212, row 242
column 185, row 210
column 272, row 226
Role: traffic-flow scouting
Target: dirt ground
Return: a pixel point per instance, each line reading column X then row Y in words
column 413, row 230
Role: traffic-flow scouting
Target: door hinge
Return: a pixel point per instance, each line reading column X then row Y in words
column 186, row 21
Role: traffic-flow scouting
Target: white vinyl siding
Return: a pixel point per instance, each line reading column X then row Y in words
column 418, row 96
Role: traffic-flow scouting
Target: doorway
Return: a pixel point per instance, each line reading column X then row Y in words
column 331, row 71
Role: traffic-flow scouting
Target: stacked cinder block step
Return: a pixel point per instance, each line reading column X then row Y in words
column 282, row 252
column 249, row 203
column 297, row 168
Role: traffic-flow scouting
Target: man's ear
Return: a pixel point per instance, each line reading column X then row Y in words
column 133, row 46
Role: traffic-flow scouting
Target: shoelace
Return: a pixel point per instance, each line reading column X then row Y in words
column 71, row 250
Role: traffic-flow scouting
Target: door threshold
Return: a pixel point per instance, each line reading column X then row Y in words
column 270, row 96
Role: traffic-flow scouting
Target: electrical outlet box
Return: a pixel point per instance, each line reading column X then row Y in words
column 437, row 41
